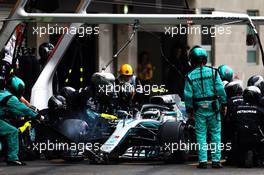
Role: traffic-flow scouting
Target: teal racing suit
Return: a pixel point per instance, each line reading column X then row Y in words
column 204, row 94
column 11, row 106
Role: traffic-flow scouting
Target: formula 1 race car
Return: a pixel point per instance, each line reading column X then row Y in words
column 150, row 134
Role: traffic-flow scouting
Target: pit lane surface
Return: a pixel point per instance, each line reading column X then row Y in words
column 59, row 167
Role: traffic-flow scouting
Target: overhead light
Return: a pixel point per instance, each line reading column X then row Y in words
column 126, row 9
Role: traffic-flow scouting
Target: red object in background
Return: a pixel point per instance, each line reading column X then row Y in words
column 19, row 33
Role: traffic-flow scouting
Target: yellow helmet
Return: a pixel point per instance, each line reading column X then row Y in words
column 126, row 69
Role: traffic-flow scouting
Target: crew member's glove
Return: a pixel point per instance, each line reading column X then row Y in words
column 191, row 119
column 26, row 126
column 223, row 109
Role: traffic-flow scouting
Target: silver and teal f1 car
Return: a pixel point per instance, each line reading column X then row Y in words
column 154, row 132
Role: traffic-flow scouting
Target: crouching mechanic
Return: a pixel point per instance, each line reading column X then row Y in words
column 234, row 91
column 11, row 106
column 247, row 121
column 204, row 98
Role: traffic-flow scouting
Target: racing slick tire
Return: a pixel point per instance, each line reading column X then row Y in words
column 172, row 136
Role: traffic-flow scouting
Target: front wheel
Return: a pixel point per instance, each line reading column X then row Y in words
column 174, row 140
